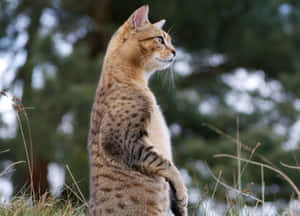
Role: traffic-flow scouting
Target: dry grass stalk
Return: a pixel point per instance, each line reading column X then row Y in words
column 238, row 151
column 243, row 145
column 216, row 185
column 4, row 151
column 283, row 175
column 251, row 155
column 232, row 188
column 20, row 109
column 10, row 166
column 262, row 188
column 83, row 199
column 29, row 161
column 289, row 166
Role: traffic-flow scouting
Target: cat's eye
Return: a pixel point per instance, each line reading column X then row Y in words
column 160, row 39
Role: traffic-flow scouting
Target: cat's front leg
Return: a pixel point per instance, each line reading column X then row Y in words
column 153, row 163
column 178, row 196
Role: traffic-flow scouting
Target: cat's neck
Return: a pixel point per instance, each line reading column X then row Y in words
column 117, row 69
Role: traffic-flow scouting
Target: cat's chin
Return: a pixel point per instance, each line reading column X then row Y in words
column 163, row 64
column 157, row 64
column 164, row 61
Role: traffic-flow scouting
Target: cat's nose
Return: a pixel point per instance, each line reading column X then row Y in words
column 173, row 52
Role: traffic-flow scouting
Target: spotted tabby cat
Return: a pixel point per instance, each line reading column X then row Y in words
column 131, row 168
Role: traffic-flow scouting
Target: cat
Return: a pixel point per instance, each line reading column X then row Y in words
column 131, row 168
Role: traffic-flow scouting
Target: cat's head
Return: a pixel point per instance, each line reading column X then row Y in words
column 142, row 43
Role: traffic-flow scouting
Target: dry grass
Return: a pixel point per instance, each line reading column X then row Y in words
column 239, row 203
column 47, row 206
column 24, row 205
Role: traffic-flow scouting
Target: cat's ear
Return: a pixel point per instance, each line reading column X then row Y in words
column 160, row 24
column 139, row 18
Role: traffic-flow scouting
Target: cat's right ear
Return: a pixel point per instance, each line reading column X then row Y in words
column 160, row 24
column 139, row 18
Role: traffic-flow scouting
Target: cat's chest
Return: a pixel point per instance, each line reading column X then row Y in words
column 159, row 133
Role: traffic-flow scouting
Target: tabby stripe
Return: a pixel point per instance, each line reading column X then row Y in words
column 134, row 199
column 153, row 205
column 126, row 134
column 150, row 191
column 107, row 190
column 148, row 148
column 136, row 184
column 147, row 151
column 148, row 155
column 133, row 150
column 160, row 163
column 140, row 150
column 121, row 205
column 109, row 210
column 102, row 200
column 110, row 177
column 159, row 169
column 121, row 173
column 154, row 159
column 124, row 186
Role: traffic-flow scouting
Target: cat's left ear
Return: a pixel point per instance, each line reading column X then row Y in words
column 139, row 18
column 160, row 24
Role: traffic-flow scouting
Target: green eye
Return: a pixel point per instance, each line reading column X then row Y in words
column 160, row 39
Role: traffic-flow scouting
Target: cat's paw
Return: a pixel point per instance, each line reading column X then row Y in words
column 179, row 198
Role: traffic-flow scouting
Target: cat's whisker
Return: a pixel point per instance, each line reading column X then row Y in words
column 170, row 29
column 167, row 79
column 171, row 79
column 173, row 76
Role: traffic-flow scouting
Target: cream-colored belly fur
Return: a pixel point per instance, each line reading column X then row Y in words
column 159, row 133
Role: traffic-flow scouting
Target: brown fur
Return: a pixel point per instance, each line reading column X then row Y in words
column 131, row 169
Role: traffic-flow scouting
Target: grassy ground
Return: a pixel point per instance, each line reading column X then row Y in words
column 23, row 206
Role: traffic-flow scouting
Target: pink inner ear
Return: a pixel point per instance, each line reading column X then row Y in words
column 140, row 16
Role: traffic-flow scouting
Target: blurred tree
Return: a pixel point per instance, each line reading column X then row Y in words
column 236, row 59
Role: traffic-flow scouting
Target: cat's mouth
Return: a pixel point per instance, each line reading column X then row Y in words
column 165, row 60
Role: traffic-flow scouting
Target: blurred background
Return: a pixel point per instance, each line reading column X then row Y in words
column 237, row 72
